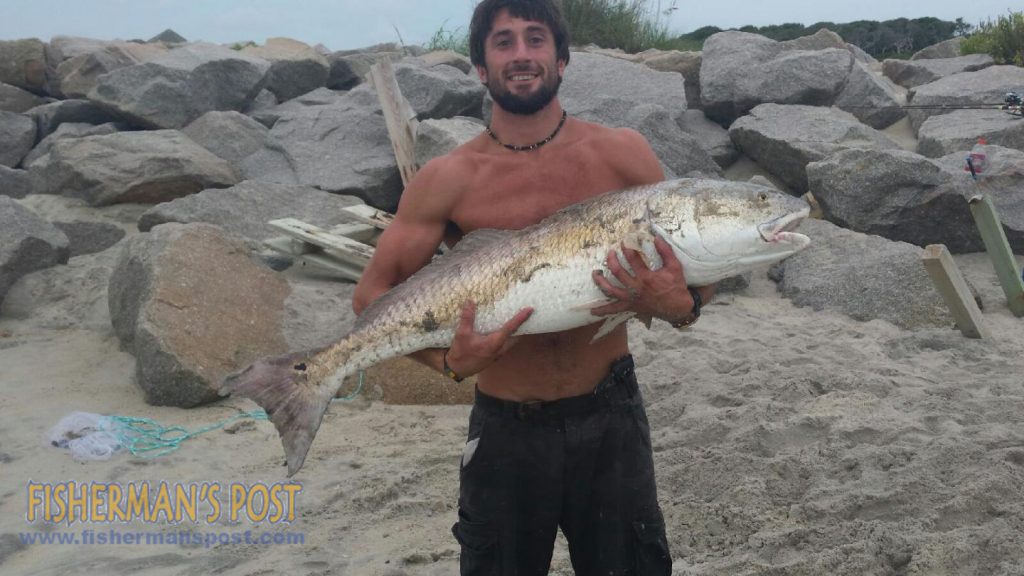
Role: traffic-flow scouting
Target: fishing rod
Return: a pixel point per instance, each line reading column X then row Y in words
column 976, row 161
column 1011, row 105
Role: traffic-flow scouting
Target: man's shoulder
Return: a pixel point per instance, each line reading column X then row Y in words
column 623, row 149
column 612, row 143
column 457, row 163
column 441, row 182
column 609, row 136
column 447, row 169
column 608, row 141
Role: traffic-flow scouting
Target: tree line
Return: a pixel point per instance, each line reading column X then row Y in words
column 897, row 38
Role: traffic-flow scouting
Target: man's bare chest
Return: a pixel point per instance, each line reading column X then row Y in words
column 510, row 196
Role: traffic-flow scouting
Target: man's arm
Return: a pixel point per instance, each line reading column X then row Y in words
column 634, row 159
column 410, row 241
column 660, row 293
column 407, row 245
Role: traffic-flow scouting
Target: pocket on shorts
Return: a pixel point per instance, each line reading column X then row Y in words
column 479, row 547
column 652, row 555
column 471, row 451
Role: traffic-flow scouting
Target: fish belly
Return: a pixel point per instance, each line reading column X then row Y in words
column 561, row 297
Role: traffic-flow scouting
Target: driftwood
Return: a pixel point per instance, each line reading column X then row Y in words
column 344, row 250
column 399, row 117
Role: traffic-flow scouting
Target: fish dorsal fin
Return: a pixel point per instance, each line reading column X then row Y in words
column 466, row 249
column 477, row 239
column 447, row 265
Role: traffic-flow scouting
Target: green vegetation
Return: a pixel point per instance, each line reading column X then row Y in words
column 241, row 45
column 897, row 38
column 632, row 25
column 1003, row 39
column 456, row 40
column 638, row 25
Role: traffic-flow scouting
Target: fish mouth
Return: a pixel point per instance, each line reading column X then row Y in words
column 781, row 229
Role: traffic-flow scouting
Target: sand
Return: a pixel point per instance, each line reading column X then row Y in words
column 787, row 441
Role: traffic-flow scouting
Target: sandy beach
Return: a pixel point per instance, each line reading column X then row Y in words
column 787, row 441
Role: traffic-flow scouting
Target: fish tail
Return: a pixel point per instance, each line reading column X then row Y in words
column 293, row 400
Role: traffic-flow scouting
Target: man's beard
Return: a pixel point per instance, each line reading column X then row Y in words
column 524, row 105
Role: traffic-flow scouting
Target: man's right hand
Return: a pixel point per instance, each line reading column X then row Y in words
column 471, row 352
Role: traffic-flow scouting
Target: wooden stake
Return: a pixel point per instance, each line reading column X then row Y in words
column 998, row 249
column 399, row 117
column 816, row 212
column 950, row 283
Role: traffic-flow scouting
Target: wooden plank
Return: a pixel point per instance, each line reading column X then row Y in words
column 344, row 250
column 377, row 218
column 398, row 116
column 340, row 246
column 369, row 215
column 365, row 225
column 320, row 260
column 999, row 251
column 356, row 231
column 950, row 283
column 291, row 246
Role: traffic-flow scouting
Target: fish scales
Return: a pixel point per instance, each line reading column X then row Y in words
column 498, row 279
column 715, row 228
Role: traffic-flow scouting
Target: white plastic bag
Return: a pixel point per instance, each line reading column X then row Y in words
column 88, row 436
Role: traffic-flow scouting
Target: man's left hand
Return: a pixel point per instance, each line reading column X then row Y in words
column 659, row 293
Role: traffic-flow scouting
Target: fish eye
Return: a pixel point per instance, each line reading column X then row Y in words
column 762, row 196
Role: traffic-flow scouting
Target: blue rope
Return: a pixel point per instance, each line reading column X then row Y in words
column 359, row 389
column 146, row 438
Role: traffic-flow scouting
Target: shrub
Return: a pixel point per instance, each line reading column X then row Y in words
column 456, row 40
column 631, row 25
column 1002, row 39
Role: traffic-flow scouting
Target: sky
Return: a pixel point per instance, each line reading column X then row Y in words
column 344, row 24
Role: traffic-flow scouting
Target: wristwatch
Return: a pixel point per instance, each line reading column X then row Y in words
column 694, row 314
column 448, row 369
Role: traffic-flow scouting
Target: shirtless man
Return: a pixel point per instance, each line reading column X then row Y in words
column 558, row 436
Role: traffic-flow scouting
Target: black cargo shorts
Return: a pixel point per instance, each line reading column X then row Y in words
column 583, row 464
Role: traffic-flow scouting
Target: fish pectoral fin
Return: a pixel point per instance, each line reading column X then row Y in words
column 641, row 239
column 610, row 324
column 588, row 306
column 634, row 241
column 638, row 238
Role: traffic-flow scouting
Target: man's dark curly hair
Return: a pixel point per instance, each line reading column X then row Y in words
column 546, row 11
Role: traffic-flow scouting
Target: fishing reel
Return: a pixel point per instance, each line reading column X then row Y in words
column 1012, row 104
